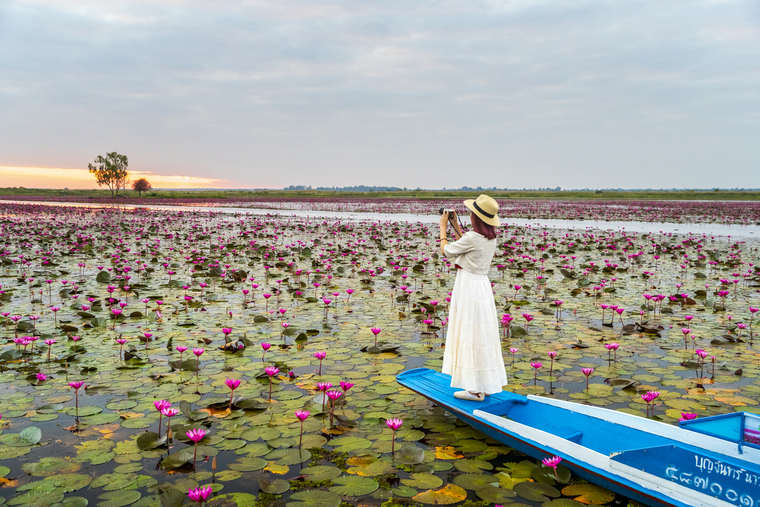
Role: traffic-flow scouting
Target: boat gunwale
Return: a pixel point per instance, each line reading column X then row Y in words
column 633, row 492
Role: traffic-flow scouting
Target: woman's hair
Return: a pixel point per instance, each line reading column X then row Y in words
column 479, row 226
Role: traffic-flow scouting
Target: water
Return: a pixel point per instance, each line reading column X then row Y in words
column 710, row 229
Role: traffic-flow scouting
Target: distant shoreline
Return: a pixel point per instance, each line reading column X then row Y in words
column 238, row 195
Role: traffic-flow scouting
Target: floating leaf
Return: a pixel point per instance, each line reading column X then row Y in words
column 496, row 495
column 31, row 435
column 177, row 459
column 449, row 494
column 273, row 487
column 589, row 494
column 409, row 454
column 49, row 466
column 475, row 481
column 313, row 498
column 233, row 500
column 536, row 492
column 118, row 498
column 423, row 481
column 150, row 440
column 321, row 472
column 353, row 485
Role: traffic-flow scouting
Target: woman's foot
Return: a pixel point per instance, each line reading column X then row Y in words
column 467, row 395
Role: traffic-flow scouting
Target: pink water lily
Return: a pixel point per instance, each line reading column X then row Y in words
column 320, row 355
column 196, row 435
column 161, row 405
column 301, row 415
column 199, row 495
column 553, row 463
column 233, row 384
column 587, row 372
column 271, row 371
column 394, row 424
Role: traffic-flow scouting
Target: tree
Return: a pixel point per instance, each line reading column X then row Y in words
column 111, row 171
column 141, row 185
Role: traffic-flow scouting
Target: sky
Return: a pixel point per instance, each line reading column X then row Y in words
column 431, row 94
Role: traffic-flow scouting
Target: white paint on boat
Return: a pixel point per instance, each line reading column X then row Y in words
column 575, row 452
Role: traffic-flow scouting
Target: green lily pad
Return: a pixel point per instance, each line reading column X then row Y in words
column 31, row 435
column 475, row 481
column 50, row 466
column 233, row 500
column 273, row 487
column 409, row 454
column 72, row 501
column 118, row 498
column 495, row 495
column 83, row 410
column 250, row 464
column 423, row 481
column 353, row 485
column 589, row 493
column 150, row 440
column 313, row 498
column 447, row 495
column 536, row 492
column 321, row 473
column 37, row 498
column 289, row 456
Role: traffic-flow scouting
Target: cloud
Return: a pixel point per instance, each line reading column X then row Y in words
column 494, row 92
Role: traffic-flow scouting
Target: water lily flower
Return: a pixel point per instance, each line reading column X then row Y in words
column 161, row 405
column 271, row 371
column 394, row 424
column 76, row 386
column 198, row 353
column 553, row 463
column 196, row 435
column 587, row 372
column 320, row 355
column 233, row 384
column 301, row 415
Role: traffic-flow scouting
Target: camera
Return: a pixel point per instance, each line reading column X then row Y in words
column 441, row 211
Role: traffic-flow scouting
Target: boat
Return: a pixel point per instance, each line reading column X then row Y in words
column 705, row 462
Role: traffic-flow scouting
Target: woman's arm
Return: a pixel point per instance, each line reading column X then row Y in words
column 444, row 221
column 455, row 225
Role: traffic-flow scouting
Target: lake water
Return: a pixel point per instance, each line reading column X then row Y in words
column 709, row 229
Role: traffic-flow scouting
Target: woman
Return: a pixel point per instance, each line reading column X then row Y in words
column 473, row 348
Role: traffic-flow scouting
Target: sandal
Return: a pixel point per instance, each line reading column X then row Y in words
column 467, row 395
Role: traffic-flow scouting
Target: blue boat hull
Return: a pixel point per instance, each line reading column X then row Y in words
column 596, row 444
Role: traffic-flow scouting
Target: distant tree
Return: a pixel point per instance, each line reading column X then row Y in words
column 141, row 185
column 111, row 171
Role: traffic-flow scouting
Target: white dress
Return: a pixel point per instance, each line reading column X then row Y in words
column 473, row 355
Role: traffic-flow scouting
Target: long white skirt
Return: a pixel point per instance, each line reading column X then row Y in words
column 473, row 347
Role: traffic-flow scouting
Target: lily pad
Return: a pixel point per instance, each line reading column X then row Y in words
column 353, row 485
column 590, row 494
column 447, row 495
column 536, row 492
column 313, row 498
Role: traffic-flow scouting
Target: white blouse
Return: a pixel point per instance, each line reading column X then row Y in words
column 473, row 252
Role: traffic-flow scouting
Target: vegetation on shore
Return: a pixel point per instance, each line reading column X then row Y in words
column 723, row 195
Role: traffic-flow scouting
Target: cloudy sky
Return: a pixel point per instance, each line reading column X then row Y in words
column 506, row 93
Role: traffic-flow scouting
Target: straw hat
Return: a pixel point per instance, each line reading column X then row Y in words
column 486, row 208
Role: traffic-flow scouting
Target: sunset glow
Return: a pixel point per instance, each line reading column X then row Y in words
column 58, row 177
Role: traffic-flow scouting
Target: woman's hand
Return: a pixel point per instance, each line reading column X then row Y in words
column 444, row 219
